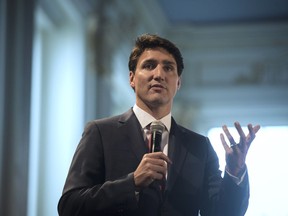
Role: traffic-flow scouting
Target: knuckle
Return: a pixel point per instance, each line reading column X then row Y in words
column 145, row 160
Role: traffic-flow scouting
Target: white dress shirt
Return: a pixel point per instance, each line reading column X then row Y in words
column 145, row 119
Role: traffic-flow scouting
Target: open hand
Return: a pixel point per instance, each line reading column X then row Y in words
column 236, row 153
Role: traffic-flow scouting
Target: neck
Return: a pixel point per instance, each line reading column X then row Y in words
column 157, row 112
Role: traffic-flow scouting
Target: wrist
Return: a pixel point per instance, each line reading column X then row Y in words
column 137, row 188
column 236, row 171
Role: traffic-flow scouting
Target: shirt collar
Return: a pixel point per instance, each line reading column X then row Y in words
column 145, row 118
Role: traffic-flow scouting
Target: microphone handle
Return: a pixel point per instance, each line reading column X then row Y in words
column 156, row 141
column 156, row 147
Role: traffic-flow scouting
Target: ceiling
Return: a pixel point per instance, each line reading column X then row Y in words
column 224, row 11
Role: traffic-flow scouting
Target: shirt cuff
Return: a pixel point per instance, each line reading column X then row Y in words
column 238, row 179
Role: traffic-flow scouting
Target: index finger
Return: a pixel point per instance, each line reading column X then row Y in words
column 161, row 155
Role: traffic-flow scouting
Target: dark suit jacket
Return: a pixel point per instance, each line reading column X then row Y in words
column 100, row 180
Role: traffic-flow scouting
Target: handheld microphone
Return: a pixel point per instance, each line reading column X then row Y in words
column 156, row 128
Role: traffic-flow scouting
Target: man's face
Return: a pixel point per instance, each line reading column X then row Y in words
column 155, row 80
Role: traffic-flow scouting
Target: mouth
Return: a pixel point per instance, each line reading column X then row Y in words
column 157, row 86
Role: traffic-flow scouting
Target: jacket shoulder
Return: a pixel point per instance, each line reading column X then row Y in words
column 191, row 134
column 110, row 120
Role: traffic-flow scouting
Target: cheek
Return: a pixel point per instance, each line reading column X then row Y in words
column 139, row 85
column 140, row 81
column 174, row 87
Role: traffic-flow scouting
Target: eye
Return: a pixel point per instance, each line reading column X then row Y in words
column 148, row 66
column 168, row 68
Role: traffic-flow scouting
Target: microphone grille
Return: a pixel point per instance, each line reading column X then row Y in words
column 157, row 126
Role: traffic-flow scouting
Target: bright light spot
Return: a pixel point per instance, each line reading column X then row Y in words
column 267, row 162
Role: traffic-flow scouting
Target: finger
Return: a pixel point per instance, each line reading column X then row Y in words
column 240, row 132
column 165, row 158
column 150, row 172
column 156, row 171
column 226, row 147
column 252, row 132
column 158, row 175
column 228, row 135
column 154, row 164
column 150, row 168
column 256, row 129
column 160, row 155
column 160, row 162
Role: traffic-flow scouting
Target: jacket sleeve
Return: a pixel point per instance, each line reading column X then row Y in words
column 223, row 196
column 86, row 192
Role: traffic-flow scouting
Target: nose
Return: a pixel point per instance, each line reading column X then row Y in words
column 159, row 73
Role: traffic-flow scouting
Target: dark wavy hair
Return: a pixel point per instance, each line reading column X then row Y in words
column 150, row 41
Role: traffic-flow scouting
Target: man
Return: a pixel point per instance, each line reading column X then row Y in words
column 113, row 173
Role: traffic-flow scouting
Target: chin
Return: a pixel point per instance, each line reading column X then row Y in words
column 158, row 102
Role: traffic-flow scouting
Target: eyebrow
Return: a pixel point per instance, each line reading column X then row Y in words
column 168, row 62
column 165, row 62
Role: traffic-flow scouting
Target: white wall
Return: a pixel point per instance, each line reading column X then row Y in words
column 57, row 109
column 266, row 162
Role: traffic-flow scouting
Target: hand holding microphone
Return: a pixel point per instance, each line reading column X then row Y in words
column 153, row 166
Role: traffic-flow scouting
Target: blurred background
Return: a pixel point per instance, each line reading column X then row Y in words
column 64, row 62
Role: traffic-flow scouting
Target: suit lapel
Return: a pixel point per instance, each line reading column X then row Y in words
column 176, row 152
column 130, row 127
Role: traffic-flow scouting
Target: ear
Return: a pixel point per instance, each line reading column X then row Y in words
column 179, row 83
column 131, row 79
